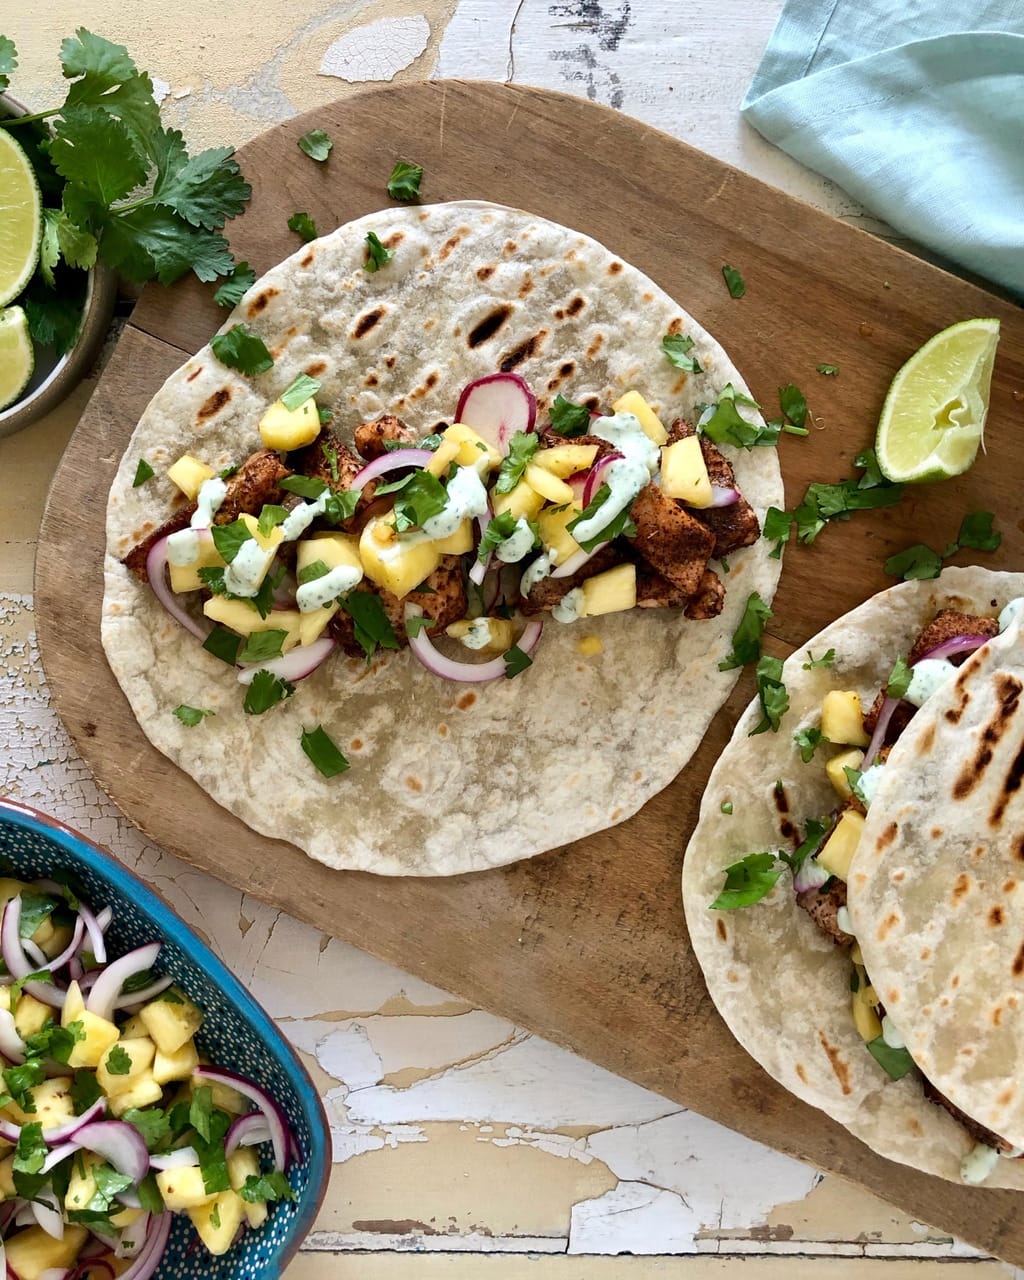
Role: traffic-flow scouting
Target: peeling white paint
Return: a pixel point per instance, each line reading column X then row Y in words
column 377, row 51
column 633, row 1218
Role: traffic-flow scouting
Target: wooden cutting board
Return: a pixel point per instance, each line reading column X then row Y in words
column 585, row 946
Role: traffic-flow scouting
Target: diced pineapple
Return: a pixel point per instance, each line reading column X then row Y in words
column 335, row 550
column 183, row 1188
column 314, row 623
column 125, row 1217
column 82, row 1183
column 397, row 566
column 224, row 1097
column 9, row 889
column 240, row 616
column 842, row 720
column 171, row 1022
column 457, row 543
column 838, row 850
column 74, row 1003
column 499, row 633
column 140, row 1052
column 554, row 532
column 32, row 1252
column 285, row 429
column 547, row 485
column 58, row 939
column 564, row 460
column 44, row 933
column 634, row 403
column 524, row 502
column 185, row 577
column 143, row 1092
column 613, row 591
column 445, row 454
column 242, row 1164
column 7, row 1190
column 99, row 1036
column 175, row 1066
column 51, row 1104
column 133, row 1028
column 836, row 768
column 217, row 1223
column 473, row 447
column 189, row 474
column 5, row 998
column 684, row 474
column 267, row 541
column 864, row 1017
column 589, row 646
column 31, row 1015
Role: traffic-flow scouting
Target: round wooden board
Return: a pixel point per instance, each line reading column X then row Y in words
column 586, row 947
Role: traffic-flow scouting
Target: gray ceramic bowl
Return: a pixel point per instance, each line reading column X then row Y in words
column 55, row 378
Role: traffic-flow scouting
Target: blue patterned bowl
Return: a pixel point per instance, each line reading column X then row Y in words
column 236, row 1034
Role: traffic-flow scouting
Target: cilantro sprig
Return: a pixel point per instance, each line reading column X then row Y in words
column 404, row 183
column 567, row 418
column 316, row 144
column 521, row 448
column 746, row 639
column 919, row 561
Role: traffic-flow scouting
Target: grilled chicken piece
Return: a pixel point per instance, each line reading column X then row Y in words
column 710, row 598
column 333, row 462
column 370, row 438
column 253, row 485
column 670, row 540
column 445, row 602
column 901, row 717
column 947, row 626
column 655, row 592
column 823, row 905
column 549, row 591
column 551, row 440
column 734, row 526
column 977, row 1131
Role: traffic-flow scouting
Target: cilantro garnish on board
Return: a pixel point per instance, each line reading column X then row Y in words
column 919, row 561
column 793, row 404
column 823, row 503
column 724, row 424
column 829, row 370
column 316, row 144
column 302, row 224
column 404, row 183
column 235, row 286
column 734, row 281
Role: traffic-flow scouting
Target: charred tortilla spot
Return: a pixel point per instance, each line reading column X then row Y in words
column 356, row 744
column 529, row 347
column 446, row 249
column 887, row 837
column 466, row 701
column 567, row 369
column 315, row 369
column 722, row 931
column 307, row 261
column 1006, row 1097
column 781, row 799
column 592, row 403
column 787, row 830
column 890, row 921
column 1009, row 886
column 996, row 916
column 575, row 306
column 1008, row 690
column 594, row 348
column 616, row 815
column 214, row 404
column 997, row 1015
column 432, row 379
column 614, row 268
column 926, row 953
column 961, row 887
column 839, row 1066
column 928, row 738
column 1018, row 963
column 894, row 998
column 485, row 273
column 648, row 297
column 390, row 361
column 365, row 323
column 801, row 1072
column 936, row 833
column 526, row 288
column 488, row 326
column 261, row 301
column 898, row 877
column 510, row 247
column 394, row 239
column 413, row 783
column 194, row 374
column 1011, row 784
column 443, row 730
column 371, row 380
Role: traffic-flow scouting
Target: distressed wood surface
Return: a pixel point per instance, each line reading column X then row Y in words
column 584, row 947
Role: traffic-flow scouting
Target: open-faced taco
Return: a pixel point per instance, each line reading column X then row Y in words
column 338, row 531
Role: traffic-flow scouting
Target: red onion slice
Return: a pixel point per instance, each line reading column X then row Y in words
column 466, row 672
column 57, row 1135
column 576, row 562
column 956, row 644
column 724, row 497
column 388, row 462
column 156, row 565
column 812, row 875
column 70, row 951
column 294, row 665
column 11, row 1044
column 53, row 1273
column 593, row 480
column 95, row 931
column 90, row 1270
column 496, row 407
column 133, row 1239
column 885, row 714
column 105, row 918
column 179, row 1158
column 17, row 962
column 278, row 1125
column 107, row 986
column 119, row 1143
column 58, row 1155
column 247, row 1131
column 148, row 1260
column 479, row 568
column 36, row 954
column 47, row 1212
column 129, row 999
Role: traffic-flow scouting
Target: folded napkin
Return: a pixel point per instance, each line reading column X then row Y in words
column 916, row 107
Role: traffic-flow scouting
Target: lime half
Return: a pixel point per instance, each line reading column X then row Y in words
column 934, row 415
column 17, row 357
column 21, row 219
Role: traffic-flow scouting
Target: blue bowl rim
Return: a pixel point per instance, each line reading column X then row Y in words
column 171, row 924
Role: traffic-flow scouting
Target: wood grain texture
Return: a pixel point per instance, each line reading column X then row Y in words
column 585, row 946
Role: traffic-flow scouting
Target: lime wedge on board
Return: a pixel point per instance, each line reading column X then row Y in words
column 17, row 357
column 21, row 219
column 934, row 415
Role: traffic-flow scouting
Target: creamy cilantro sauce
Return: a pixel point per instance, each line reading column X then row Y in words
column 890, row 1035
column 1010, row 613
column 314, row 595
column 183, row 546
column 929, row 675
column 978, row 1163
column 533, row 573
column 244, row 574
column 570, row 607
column 843, row 920
column 518, row 544
column 299, row 520
column 626, row 476
column 209, row 500
column 467, row 497
column 479, row 634
column 869, row 781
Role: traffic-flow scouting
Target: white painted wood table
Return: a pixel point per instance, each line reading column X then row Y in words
column 463, row 1147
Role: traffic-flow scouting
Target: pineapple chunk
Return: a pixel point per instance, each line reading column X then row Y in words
column 7, row 1190
column 240, row 616
column 473, row 447
column 285, row 429
column 242, row 1164
column 613, row 591
column 5, row 998
column 524, row 502
column 684, row 474
column 58, row 938
column 189, row 474
column 10, row 889
column 82, row 1183
column 589, row 646
column 395, row 565
column 183, row 1188
column 99, row 1036
column 836, row 768
column 335, row 550
column 497, row 637
column 842, row 719
column 838, row 850
column 224, row 1097
column 44, row 933
column 74, row 1003
column 445, row 454
column 315, row 622
column 185, row 577
column 140, row 1053
column 175, row 1066
column 52, row 1104
column 217, row 1223
column 125, row 1217
column 554, row 532
column 565, row 460
column 864, row 1017
column 547, row 485
column 634, row 403
column 267, row 541
column 133, row 1028
column 142, row 1092
column 171, row 1022
column 32, row 1252
column 457, row 543
column 31, row 1015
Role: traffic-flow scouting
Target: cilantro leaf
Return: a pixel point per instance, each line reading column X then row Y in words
column 303, row 225
column 79, row 248
column 372, row 626
column 794, row 406
column 201, row 1111
column 54, row 319
column 205, row 189
column 35, row 908
column 414, row 625
column 895, row 1062
column 235, row 286
column 312, row 571
column 55, row 1041
column 305, row 486
column 265, row 691
column 323, row 752
column 734, row 281
column 107, row 79
column 748, row 881
column 976, row 532
column 853, row 777
column 676, row 349
column 568, row 419
column 230, row 538
column 149, row 1195
column 298, row 392
column 920, row 561
column 771, row 693
column 191, row 716
column 516, row 661
column 829, row 370
column 746, row 639
column 498, row 529
column 223, row 644
column 809, row 740
column 914, row 563
column 261, row 646
column 776, row 529
column 316, row 144
column 827, row 659
column 8, row 61
column 521, row 448
column 814, row 838
column 267, row 1186
column 726, row 425
column 85, row 1090
column 143, row 472
column 899, row 679
column 726, row 808
column 431, row 442
column 422, row 498
column 377, row 254
column 620, row 526
column 119, row 1061
column 404, row 183
column 824, row 502
column 95, row 151
column 243, row 350
column 270, row 517
column 150, row 241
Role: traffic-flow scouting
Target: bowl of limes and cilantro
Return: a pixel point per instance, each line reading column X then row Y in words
column 93, row 189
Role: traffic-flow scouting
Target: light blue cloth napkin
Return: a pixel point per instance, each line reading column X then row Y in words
column 916, row 107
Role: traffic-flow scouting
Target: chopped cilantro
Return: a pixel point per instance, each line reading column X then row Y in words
column 498, row 529
column 215, row 1217
column 620, row 526
column 827, row 659
column 853, row 777
column 771, row 693
column 265, row 691
column 230, row 538
column 921, row 562
column 373, row 628
column 191, row 716
column 312, row 571
column 809, row 740
column 404, row 183
column 305, row 486
column 325, row 415
column 84, row 1091
column 31, row 1151
column 268, row 1186
column 323, row 752
column 377, row 254
column 431, row 442
column 976, row 532
column 8, row 61
column 896, row 1063
column 899, row 679
column 149, row 1195
column 54, row 1041
column 521, row 448
column 569, row 419
column 200, row 1111
column 726, row 425
column 261, row 646
column 302, row 389
column 793, row 404
column 35, row 908
column 825, row 502
column 676, row 348
column 143, row 472
column 814, row 838
column 515, row 662
column 914, row 563
column 119, row 1061
column 331, row 454
column 303, row 225
column 747, row 881
column 109, row 1183
column 423, row 497
column 316, row 144
column 746, row 639
column 726, row 807
column 734, row 281
column 776, row 529
column 415, row 624
column 235, row 286
column 243, row 350
column 270, row 517
column 829, row 370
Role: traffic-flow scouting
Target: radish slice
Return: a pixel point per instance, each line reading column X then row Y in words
column 294, row 665
column 132, row 998
column 107, row 986
column 466, row 672
column 46, row 1209
column 496, row 407
column 593, row 480
column 156, row 565
column 17, row 962
column 95, row 931
column 956, row 644
column 278, row 1125
column 59, row 1134
column 119, row 1143
column 247, row 1131
column 180, row 1158
column 388, row 462
column 885, row 713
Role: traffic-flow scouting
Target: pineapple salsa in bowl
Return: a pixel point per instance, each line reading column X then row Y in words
column 126, row 1144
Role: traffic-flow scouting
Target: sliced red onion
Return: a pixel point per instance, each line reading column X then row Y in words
column 284, row 592
column 119, row 1143
column 107, row 986
column 58, row 1155
column 88, row 980
column 90, row 1269
column 132, row 998
column 9, row 1131
column 148, row 1259
column 70, row 951
column 593, row 480
column 11, row 1044
column 133, row 1239
column 490, row 590
column 247, row 1131
column 53, row 1273
column 388, row 462
column 156, row 565
column 812, row 875
column 105, row 918
column 25, row 1217
column 17, row 962
column 479, row 568
column 180, row 1158
column 956, row 644
column 496, row 407
column 97, row 942
column 129, row 1197
column 47, row 1211
column 35, row 954
column 576, row 562
column 885, row 714
column 724, row 497
column 59, row 1134
column 466, row 672
column 278, row 1125
column 294, row 665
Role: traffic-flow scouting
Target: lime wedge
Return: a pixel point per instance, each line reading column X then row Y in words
column 21, row 219
column 934, row 415
column 17, row 357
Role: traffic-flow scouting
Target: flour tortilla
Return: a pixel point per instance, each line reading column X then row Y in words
column 444, row 778
column 783, row 988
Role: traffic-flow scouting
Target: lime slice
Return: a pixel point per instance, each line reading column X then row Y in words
column 17, row 357
column 21, row 219
column 934, row 415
